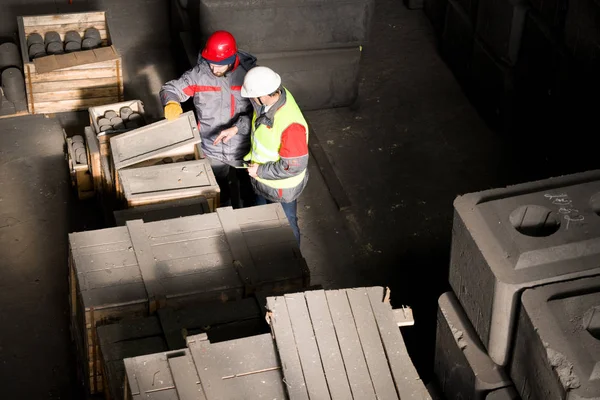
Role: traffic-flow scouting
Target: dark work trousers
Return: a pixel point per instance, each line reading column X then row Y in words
column 291, row 212
column 222, row 173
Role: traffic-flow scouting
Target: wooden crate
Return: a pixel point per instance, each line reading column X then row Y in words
column 131, row 271
column 72, row 81
column 149, row 146
column 168, row 182
column 168, row 330
column 245, row 368
column 81, row 177
column 104, row 137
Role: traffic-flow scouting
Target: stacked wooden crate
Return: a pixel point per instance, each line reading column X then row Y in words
column 335, row 344
column 159, row 162
column 131, row 271
column 154, row 163
column 168, row 329
column 73, row 81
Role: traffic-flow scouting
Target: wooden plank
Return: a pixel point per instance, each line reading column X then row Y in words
column 185, row 377
column 310, row 358
column 237, row 244
column 347, row 336
column 23, row 43
column 77, row 94
column 154, row 140
column 143, row 253
column 18, row 114
column 406, row 378
column 68, row 105
column 194, row 175
column 371, row 344
column 286, row 346
column 100, row 57
column 329, row 349
column 64, row 18
column 171, row 329
column 333, row 183
column 93, row 157
column 74, row 74
column 42, row 87
column 238, row 369
column 82, row 67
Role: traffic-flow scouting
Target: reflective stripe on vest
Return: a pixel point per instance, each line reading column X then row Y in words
column 266, row 142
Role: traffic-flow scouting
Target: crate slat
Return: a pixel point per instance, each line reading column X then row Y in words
column 76, row 94
column 40, row 20
column 43, row 87
column 67, row 76
column 60, row 106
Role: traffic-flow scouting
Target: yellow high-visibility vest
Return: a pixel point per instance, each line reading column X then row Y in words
column 267, row 141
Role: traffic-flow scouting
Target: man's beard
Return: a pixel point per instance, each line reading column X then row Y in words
column 220, row 74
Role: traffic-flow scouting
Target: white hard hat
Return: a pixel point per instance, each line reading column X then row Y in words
column 260, row 81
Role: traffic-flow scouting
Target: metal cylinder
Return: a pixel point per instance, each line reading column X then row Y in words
column 109, row 114
column 55, row 48
column 116, row 120
column 104, row 128
column 103, row 121
column 167, row 160
column 70, row 47
column 13, row 86
column 189, row 157
column 136, row 117
column 72, row 36
column 52, row 37
column 89, row 43
column 9, row 56
column 77, row 138
column 37, row 50
column 131, row 124
column 92, row 33
column 34, row 38
column 125, row 112
column 82, row 158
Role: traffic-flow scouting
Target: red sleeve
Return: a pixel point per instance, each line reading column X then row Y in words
column 293, row 142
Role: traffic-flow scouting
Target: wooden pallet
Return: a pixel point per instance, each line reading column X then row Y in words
column 72, row 81
column 336, row 345
column 168, row 330
column 342, row 344
column 132, row 271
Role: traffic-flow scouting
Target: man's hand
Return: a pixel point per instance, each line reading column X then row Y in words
column 252, row 170
column 226, row 135
column 173, row 110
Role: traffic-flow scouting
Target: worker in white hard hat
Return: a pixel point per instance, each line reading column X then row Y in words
column 279, row 143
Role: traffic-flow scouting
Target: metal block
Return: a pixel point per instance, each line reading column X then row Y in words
column 286, row 25
column 557, row 347
column 462, row 365
column 318, row 79
column 509, row 239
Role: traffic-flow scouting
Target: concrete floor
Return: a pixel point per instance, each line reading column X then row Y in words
column 413, row 144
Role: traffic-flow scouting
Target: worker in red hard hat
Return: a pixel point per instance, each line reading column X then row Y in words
column 223, row 114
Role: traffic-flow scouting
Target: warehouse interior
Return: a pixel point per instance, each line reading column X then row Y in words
column 431, row 121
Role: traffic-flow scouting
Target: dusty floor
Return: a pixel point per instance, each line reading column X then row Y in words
column 413, row 144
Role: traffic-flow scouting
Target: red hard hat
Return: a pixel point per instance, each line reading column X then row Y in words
column 220, row 48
